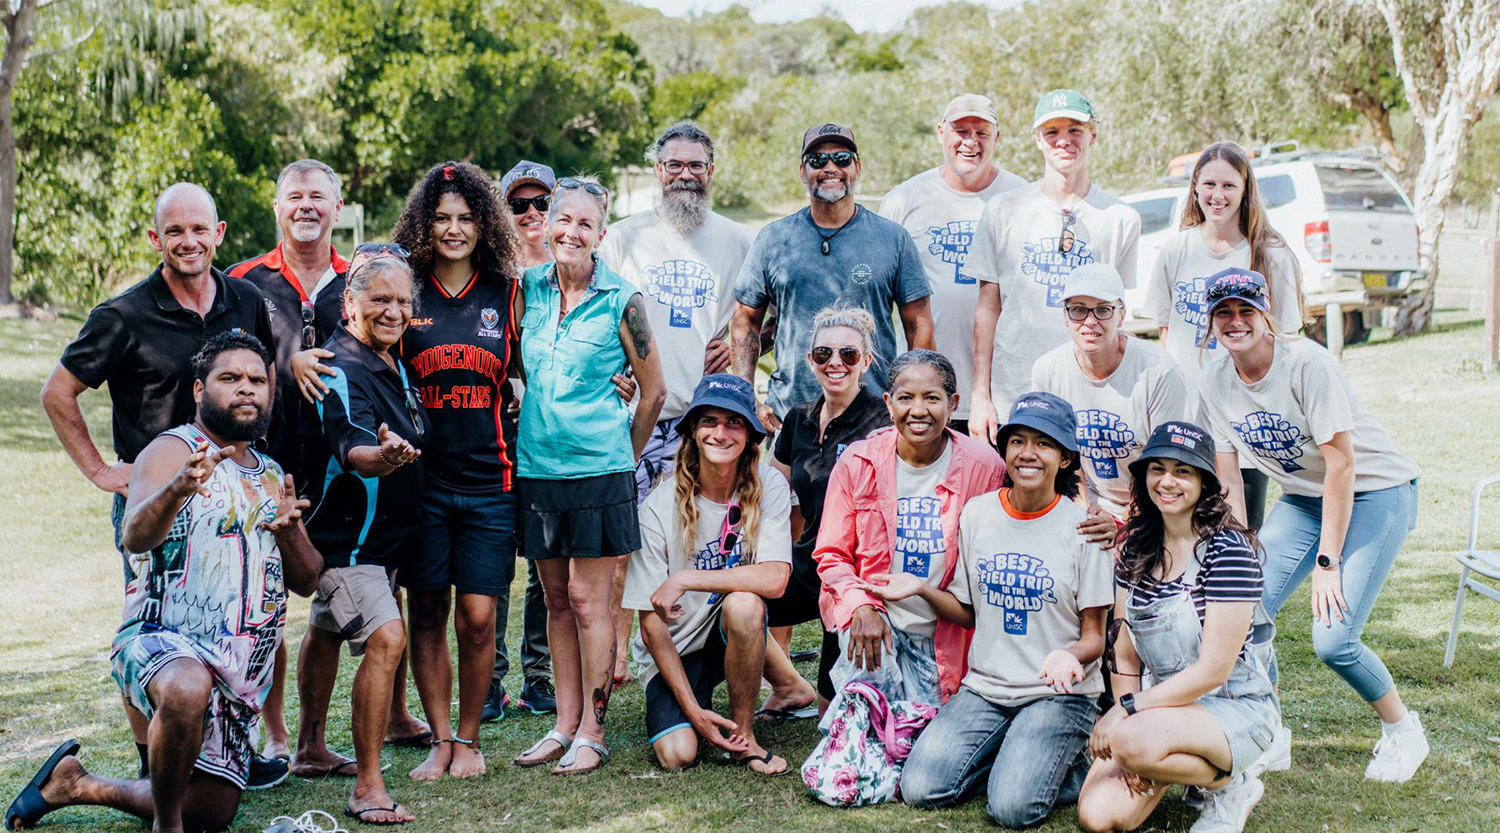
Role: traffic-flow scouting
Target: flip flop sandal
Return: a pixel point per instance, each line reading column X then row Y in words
column 344, row 769
column 787, row 715
column 746, row 760
column 562, row 740
column 359, row 815
column 420, row 740
column 29, row 806
column 571, row 758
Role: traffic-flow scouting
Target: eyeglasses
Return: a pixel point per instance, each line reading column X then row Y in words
column 696, row 167
column 414, row 412
column 1065, row 237
column 519, row 205
column 729, row 536
column 1079, row 312
column 309, row 332
column 366, row 252
column 850, row 356
column 841, row 158
column 1234, row 290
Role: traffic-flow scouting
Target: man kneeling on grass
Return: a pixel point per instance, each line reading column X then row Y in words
column 215, row 535
column 716, row 542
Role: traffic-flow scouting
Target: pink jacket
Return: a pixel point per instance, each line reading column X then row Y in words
column 858, row 532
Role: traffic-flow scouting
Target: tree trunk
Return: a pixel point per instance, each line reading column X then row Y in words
column 17, row 41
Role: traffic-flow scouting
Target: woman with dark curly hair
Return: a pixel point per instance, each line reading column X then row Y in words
column 1188, row 588
column 463, row 254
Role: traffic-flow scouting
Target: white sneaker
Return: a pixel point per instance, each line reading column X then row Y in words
column 1277, row 757
column 1398, row 754
column 1226, row 809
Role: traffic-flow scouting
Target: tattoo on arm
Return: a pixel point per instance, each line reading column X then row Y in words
column 746, row 352
column 635, row 322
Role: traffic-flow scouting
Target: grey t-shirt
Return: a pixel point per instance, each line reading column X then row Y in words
column 942, row 221
column 1021, row 246
column 919, row 547
column 686, row 282
column 871, row 264
column 1278, row 422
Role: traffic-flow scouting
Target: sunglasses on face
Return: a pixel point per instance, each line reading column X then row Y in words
column 309, row 332
column 414, row 412
column 1234, row 290
column 848, row 355
column 1065, row 237
column 366, row 252
column 841, row 158
column 696, row 167
column 1079, row 312
column 520, row 205
column 729, row 535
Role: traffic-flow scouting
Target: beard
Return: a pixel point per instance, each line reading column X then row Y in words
column 306, row 232
column 223, row 422
column 684, row 205
column 829, row 191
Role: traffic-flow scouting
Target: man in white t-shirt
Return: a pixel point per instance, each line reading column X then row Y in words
column 701, row 597
column 940, row 209
column 684, row 258
column 1028, row 241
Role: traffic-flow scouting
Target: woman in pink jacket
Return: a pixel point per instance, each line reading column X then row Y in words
column 892, row 506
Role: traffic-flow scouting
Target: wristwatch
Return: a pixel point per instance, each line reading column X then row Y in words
column 1326, row 562
column 1127, row 703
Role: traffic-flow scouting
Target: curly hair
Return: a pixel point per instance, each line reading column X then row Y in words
column 747, row 491
column 1142, row 550
column 495, row 252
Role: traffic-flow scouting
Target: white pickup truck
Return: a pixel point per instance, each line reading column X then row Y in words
column 1349, row 224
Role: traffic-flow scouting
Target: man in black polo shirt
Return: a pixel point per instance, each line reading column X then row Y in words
column 141, row 343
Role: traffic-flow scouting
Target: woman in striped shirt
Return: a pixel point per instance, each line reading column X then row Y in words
column 1188, row 587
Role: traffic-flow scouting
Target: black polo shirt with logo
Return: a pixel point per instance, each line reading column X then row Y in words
column 459, row 348
column 357, row 519
column 142, row 342
column 284, row 300
column 811, row 459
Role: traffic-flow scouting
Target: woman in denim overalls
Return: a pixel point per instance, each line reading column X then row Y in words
column 1191, row 671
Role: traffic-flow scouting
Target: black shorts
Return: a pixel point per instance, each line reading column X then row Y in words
column 799, row 602
column 704, row 669
column 465, row 543
column 588, row 517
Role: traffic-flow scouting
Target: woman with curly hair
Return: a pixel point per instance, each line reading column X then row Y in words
column 1188, row 588
column 463, row 254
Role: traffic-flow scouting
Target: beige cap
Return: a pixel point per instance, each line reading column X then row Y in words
column 971, row 104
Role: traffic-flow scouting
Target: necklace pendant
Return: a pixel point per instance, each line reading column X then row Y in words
column 825, row 247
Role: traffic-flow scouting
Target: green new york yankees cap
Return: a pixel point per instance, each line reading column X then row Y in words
column 1063, row 104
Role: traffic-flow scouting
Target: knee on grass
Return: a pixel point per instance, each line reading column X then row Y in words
column 677, row 750
column 1098, row 815
column 1016, row 812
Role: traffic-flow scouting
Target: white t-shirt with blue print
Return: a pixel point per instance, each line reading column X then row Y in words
column 919, row 545
column 1029, row 577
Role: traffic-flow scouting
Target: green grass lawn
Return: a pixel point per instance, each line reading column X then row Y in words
column 62, row 581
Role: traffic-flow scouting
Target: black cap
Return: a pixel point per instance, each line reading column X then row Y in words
column 1180, row 441
column 828, row 132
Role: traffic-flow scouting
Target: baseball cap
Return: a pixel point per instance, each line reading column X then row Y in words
column 525, row 172
column 1044, row 412
column 1096, row 280
column 1247, row 285
column 828, row 132
column 1180, row 441
column 1063, row 104
column 723, row 390
column 971, row 104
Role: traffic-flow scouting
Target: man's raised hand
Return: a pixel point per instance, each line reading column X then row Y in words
column 288, row 508
column 198, row 468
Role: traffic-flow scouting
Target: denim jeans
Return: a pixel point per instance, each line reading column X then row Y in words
column 1028, row 752
column 1377, row 529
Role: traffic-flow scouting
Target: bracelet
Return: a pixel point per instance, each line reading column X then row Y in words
column 389, row 462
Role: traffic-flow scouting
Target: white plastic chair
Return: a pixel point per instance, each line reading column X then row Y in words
column 1476, row 564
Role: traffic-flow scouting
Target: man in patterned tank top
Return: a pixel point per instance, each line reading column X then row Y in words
column 215, row 538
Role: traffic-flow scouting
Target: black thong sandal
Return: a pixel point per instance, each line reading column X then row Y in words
column 29, row 806
column 746, row 760
column 359, row 815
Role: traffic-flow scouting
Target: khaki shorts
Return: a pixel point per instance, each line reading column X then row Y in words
column 354, row 602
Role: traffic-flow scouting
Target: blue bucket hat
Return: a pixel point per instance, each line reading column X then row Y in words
column 727, row 391
column 1177, row 440
column 1047, row 413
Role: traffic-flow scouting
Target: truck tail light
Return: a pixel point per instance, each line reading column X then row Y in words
column 1315, row 238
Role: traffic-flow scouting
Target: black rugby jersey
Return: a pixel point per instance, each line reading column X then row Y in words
column 459, row 348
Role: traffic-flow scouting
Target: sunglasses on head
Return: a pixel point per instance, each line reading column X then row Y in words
column 1234, row 290
column 841, row 158
column 569, row 183
column 1079, row 312
column 519, row 205
column 309, row 332
column 848, row 355
column 1065, row 237
column 366, row 252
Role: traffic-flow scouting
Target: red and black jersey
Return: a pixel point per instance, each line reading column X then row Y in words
column 459, row 348
column 284, row 301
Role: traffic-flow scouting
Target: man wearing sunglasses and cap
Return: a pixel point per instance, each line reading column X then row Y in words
column 1029, row 240
column 830, row 253
column 706, row 565
column 940, row 209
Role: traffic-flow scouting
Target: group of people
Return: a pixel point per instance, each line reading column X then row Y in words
column 1010, row 509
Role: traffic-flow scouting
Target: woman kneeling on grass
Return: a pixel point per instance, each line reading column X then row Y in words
column 1188, row 588
column 1035, row 591
column 892, row 509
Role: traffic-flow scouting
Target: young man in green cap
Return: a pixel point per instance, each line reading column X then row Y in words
column 1028, row 241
